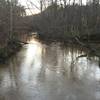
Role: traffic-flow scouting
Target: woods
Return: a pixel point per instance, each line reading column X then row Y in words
column 65, row 20
column 58, row 19
column 11, row 26
column 62, row 18
column 10, row 14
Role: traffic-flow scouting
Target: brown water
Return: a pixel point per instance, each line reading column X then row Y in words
column 50, row 72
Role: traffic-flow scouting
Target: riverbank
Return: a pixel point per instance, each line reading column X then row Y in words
column 92, row 45
column 93, row 38
column 50, row 38
column 9, row 50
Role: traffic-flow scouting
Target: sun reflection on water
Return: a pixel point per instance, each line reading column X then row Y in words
column 50, row 71
column 32, row 61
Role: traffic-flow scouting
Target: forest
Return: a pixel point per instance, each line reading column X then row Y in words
column 49, row 49
column 65, row 19
column 11, row 21
column 58, row 20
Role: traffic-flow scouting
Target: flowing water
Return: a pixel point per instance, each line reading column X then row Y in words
column 50, row 72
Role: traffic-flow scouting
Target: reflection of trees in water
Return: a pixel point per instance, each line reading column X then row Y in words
column 71, row 61
column 1, row 76
column 60, row 60
column 13, row 71
column 9, row 77
column 71, row 54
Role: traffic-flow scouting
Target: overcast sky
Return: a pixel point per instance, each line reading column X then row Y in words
column 33, row 8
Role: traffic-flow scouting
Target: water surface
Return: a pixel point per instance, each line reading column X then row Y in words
column 50, row 72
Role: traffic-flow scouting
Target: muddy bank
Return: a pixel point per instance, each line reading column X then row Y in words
column 6, row 52
column 93, row 38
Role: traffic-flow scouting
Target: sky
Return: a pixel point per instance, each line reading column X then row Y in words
column 31, row 4
column 34, row 5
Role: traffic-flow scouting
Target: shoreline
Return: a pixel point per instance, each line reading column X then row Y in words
column 11, row 49
column 66, row 39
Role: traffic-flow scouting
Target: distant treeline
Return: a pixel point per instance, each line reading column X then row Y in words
column 59, row 20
